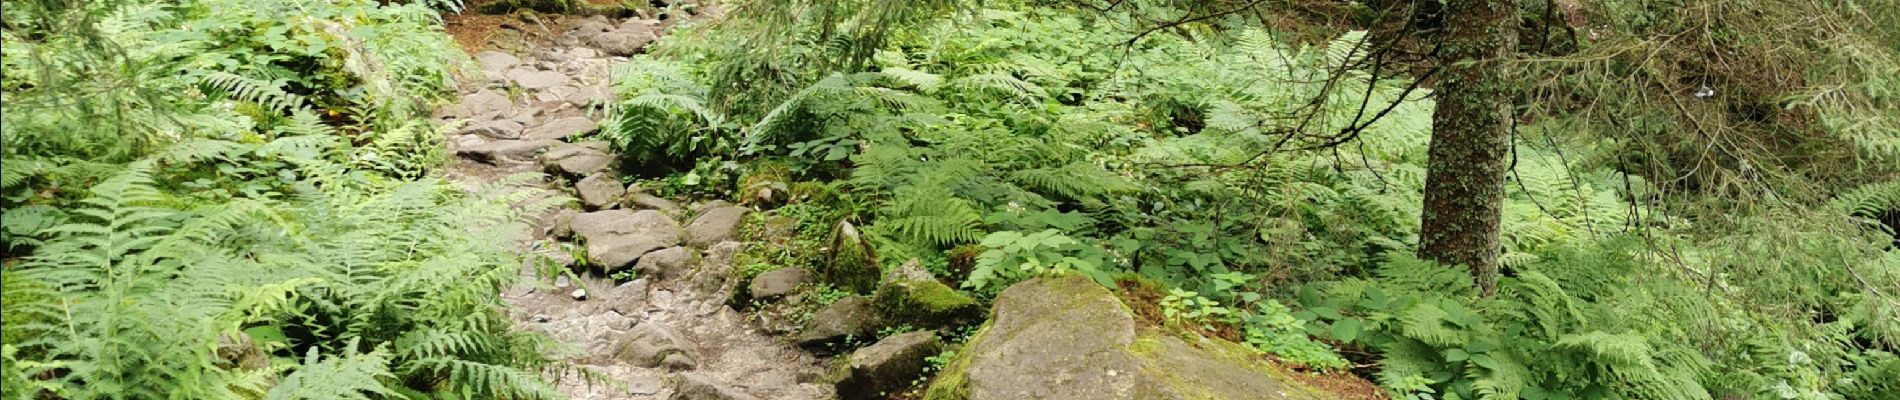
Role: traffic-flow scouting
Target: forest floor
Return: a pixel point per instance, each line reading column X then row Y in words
column 667, row 333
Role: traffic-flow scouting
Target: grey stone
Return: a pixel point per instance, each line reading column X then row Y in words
column 576, row 160
column 622, row 41
column 599, row 191
column 649, row 344
column 562, row 225
column 912, row 270
column 665, row 262
column 486, row 104
column 592, row 27
column 678, row 362
column 640, row 23
column 536, row 79
column 496, row 61
column 578, row 294
column 583, row 52
column 714, row 226
column 591, row 95
column 1068, row 337
column 779, row 282
column 505, row 151
column 852, row 316
column 495, row 129
column 552, row 56
column 615, row 238
column 694, row 386
column 561, row 128
column 648, row 201
column 888, row 366
column 643, row 385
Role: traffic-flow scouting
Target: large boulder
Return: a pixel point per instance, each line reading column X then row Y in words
column 888, row 366
column 911, row 295
column 1069, row 338
column 778, row 283
column 599, row 191
column 852, row 316
column 615, row 238
column 714, row 226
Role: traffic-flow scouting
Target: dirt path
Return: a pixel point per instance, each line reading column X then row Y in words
column 666, row 335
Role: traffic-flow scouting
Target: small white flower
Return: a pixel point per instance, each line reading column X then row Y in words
column 1704, row 91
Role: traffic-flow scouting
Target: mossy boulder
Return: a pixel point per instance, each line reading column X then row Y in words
column 1070, row 338
column 910, row 295
column 851, row 263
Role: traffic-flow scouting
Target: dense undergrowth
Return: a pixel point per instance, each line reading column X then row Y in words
column 1245, row 169
column 210, row 199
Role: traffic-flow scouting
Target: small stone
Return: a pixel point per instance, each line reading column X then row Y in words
column 578, row 294
column 582, row 52
column 599, row 191
column 561, row 281
column 779, row 282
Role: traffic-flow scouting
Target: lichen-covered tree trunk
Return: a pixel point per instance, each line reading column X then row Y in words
column 1464, row 179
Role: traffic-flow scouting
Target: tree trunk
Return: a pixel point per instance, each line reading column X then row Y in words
column 1464, row 178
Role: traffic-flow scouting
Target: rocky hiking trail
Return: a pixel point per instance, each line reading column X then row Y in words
column 671, row 332
column 667, row 334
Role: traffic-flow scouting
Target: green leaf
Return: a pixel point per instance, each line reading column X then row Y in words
column 1347, row 329
column 1327, row 312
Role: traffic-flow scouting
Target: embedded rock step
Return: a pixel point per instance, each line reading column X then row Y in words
column 615, row 238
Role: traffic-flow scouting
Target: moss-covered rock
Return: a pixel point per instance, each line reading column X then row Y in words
column 852, row 263
column 1070, row 338
column 924, row 303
